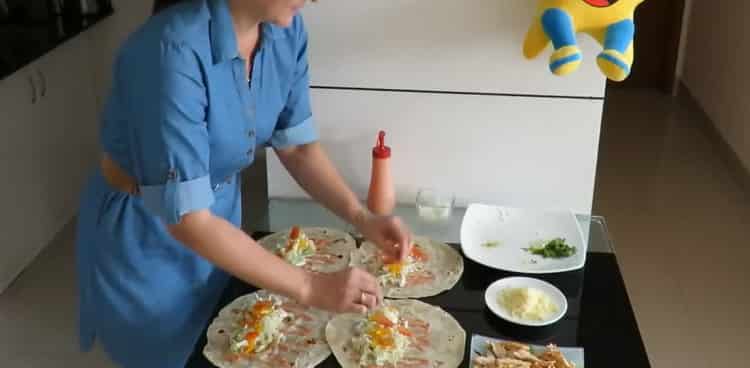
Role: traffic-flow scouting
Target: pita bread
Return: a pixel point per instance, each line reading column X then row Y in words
column 440, row 272
column 437, row 341
column 333, row 252
column 303, row 344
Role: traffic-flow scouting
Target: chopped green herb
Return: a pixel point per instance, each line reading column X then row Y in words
column 555, row 248
column 492, row 244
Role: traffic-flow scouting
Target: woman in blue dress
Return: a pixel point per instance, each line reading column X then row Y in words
column 196, row 90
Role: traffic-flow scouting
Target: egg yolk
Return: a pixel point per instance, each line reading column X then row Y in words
column 394, row 268
column 382, row 337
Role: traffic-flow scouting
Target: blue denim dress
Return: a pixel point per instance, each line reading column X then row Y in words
column 183, row 120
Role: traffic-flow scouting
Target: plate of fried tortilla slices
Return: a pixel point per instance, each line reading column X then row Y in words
column 487, row 352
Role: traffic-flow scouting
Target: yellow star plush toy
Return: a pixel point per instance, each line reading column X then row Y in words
column 609, row 21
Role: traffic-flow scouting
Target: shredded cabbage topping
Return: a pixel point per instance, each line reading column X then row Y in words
column 396, row 274
column 382, row 338
column 297, row 248
column 258, row 327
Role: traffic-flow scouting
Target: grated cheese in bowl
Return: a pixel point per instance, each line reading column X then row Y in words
column 527, row 304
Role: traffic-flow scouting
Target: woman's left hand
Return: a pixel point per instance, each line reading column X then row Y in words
column 388, row 232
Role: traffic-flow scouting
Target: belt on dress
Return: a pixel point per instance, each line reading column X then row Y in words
column 116, row 177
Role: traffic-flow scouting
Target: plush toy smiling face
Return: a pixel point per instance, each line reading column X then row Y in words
column 600, row 3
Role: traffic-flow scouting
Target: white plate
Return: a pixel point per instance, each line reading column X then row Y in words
column 479, row 345
column 497, row 287
column 517, row 229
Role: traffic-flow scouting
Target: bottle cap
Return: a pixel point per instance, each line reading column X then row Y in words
column 381, row 150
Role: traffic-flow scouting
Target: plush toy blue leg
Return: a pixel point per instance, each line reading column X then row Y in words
column 613, row 61
column 558, row 25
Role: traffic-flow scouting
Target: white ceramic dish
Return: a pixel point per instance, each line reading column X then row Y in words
column 479, row 346
column 515, row 230
column 497, row 287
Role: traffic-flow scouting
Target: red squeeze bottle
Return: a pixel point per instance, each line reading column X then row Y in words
column 381, row 198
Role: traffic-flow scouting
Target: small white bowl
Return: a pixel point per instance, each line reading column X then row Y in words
column 494, row 291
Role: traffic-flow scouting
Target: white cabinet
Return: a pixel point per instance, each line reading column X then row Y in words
column 49, row 143
column 67, row 125
column 49, row 147
column 21, row 240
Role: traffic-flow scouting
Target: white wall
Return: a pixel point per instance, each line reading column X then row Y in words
column 716, row 71
column 536, row 150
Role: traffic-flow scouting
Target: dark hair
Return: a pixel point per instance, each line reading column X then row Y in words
column 160, row 5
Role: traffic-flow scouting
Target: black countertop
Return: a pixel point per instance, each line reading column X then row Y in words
column 22, row 44
column 600, row 318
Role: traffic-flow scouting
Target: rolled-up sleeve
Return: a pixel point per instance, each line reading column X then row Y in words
column 170, row 135
column 296, row 125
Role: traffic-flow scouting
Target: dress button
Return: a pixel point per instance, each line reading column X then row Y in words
column 251, row 134
column 250, row 152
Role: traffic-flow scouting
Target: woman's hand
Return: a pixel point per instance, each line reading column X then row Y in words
column 350, row 290
column 312, row 169
column 388, row 233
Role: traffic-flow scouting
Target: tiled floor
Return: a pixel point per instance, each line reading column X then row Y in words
column 677, row 216
column 678, row 219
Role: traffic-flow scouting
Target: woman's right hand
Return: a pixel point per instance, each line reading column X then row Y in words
column 349, row 291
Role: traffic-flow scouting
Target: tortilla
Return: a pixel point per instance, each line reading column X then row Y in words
column 333, row 253
column 303, row 345
column 438, row 340
column 441, row 270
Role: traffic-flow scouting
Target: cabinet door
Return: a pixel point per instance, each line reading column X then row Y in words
column 22, row 239
column 48, row 149
column 66, row 130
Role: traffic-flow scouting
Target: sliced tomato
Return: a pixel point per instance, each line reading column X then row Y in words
column 404, row 331
column 294, row 234
column 381, row 319
column 262, row 307
column 418, row 254
column 251, row 336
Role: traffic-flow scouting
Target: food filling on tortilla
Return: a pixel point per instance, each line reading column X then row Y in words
column 383, row 338
column 396, row 274
column 258, row 326
column 298, row 248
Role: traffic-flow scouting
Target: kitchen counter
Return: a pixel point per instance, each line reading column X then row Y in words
column 600, row 317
